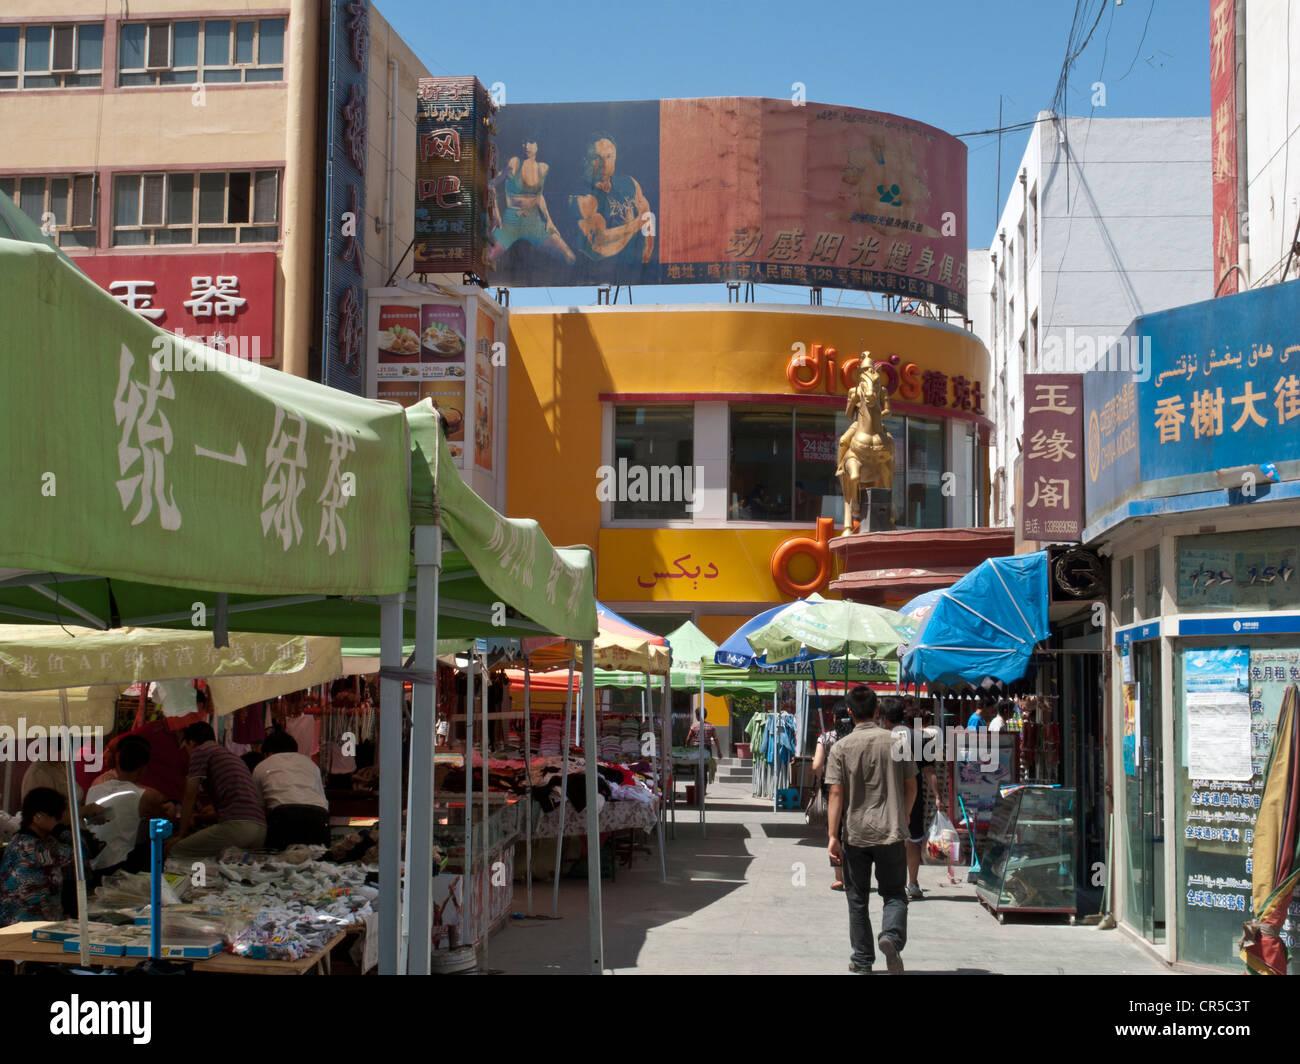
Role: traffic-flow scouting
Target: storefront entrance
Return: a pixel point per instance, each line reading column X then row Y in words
column 1144, row 798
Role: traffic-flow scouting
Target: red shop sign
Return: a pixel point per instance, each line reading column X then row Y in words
column 226, row 298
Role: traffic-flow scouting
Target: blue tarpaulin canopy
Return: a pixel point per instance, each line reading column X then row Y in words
column 985, row 625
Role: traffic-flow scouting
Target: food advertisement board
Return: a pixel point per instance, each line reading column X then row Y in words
column 421, row 348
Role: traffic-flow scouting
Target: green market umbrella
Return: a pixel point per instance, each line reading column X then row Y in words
column 837, row 627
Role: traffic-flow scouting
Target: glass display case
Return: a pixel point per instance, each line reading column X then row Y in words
column 503, row 825
column 1028, row 861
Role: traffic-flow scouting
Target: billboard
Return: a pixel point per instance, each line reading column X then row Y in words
column 1051, row 505
column 452, row 171
column 1223, row 138
column 728, row 189
column 1219, row 389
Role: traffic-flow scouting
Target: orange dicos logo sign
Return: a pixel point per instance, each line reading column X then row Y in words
column 816, row 547
column 819, row 368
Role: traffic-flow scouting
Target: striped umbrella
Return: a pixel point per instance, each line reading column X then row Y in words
column 1276, row 868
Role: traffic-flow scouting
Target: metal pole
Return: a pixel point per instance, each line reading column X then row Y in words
column 390, row 782
column 467, row 868
column 659, row 774
column 419, row 818
column 74, row 818
column 487, row 868
column 670, row 794
column 564, row 788
column 595, row 928
column 704, row 771
column 528, row 767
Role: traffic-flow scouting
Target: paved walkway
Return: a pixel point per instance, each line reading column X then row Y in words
column 753, row 898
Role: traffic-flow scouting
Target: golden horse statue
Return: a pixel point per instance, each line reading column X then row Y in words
column 866, row 457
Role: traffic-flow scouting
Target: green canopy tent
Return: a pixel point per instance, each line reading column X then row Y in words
column 156, row 482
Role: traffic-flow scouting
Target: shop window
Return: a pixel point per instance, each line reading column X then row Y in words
column 783, row 464
column 923, row 498
column 208, row 50
column 1254, row 569
column 653, row 476
column 1151, row 583
column 65, row 201
column 62, row 56
column 241, row 207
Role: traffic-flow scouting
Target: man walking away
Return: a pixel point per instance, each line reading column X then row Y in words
column 874, row 790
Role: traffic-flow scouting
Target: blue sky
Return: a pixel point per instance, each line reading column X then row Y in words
column 944, row 62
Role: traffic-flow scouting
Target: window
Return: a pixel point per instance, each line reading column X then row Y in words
column 62, row 56
column 69, row 198
column 783, row 464
column 241, row 207
column 653, row 472
column 211, row 50
column 1033, row 341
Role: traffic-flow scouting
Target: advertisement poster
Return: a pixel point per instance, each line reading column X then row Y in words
column 979, row 788
column 814, row 446
column 1220, row 814
column 483, row 397
column 1132, row 727
column 728, row 189
column 421, row 355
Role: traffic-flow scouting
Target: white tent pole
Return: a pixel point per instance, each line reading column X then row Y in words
column 403, row 947
column 564, row 786
column 467, row 868
column 419, row 818
column 659, row 775
column 390, row 782
column 528, row 767
column 595, row 923
column 487, row 869
column 74, row 817
column 670, row 768
column 704, row 771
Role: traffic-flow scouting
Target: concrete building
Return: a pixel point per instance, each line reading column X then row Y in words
column 176, row 143
column 1109, row 219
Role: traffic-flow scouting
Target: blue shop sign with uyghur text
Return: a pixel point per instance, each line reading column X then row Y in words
column 1219, row 388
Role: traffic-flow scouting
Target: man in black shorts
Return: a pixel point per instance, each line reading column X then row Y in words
column 895, row 712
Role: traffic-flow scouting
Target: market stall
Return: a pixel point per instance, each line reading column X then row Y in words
column 181, row 488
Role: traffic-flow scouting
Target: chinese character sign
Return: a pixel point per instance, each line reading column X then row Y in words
column 225, row 300
column 1221, row 391
column 453, row 225
column 1223, row 139
column 733, row 189
column 1051, row 509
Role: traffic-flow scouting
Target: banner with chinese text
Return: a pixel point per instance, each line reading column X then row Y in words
column 167, row 462
column 1051, row 509
column 1219, row 389
column 729, row 189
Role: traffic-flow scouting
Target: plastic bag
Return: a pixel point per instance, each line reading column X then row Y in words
column 943, row 846
column 816, row 813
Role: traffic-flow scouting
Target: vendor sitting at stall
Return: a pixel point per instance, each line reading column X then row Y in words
column 240, row 820
column 127, row 806
column 289, row 784
column 31, row 876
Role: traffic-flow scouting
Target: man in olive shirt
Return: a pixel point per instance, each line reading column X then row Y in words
column 872, row 790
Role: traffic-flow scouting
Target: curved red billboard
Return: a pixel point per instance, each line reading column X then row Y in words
column 728, row 189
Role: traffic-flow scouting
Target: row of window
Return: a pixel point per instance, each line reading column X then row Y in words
column 208, row 207
column 782, row 465
column 66, row 56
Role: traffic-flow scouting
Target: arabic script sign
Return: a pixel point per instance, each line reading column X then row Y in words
column 1224, row 392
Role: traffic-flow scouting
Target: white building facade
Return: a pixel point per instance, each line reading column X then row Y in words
column 1109, row 219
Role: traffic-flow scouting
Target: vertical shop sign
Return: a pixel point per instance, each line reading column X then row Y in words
column 454, row 208
column 343, row 325
column 1223, row 139
column 1052, row 488
column 483, row 398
